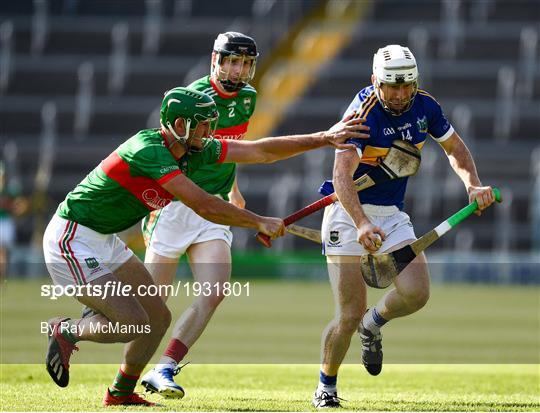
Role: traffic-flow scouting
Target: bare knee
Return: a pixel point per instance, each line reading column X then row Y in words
column 160, row 320
column 166, row 319
column 119, row 329
column 416, row 299
column 213, row 300
column 131, row 334
column 137, row 323
column 349, row 321
column 422, row 298
column 413, row 285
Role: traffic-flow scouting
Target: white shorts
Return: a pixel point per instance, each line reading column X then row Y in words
column 7, row 232
column 77, row 255
column 171, row 230
column 339, row 235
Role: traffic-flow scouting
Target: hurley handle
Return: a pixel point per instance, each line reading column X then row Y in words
column 304, row 212
column 470, row 209
column 310, row 209
column 264, row 239
column 365, row 181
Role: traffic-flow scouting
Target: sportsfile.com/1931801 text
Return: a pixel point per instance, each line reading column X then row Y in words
column 114, row 288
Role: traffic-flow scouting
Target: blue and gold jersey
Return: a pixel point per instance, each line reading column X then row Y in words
column 424, row 117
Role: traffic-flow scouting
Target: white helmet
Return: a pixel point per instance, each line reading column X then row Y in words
column 395, row 64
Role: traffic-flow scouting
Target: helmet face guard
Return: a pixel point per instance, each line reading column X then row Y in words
column 191, row 125
column 395, row 65
column 387, row 104
column 233, row 49
column 192, row 106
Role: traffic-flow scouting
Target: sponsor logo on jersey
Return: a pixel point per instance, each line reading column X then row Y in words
column 219, row 149
column 405, row 132
column 238, row 137
column 388, row 131
column 167, row 169
column 236, row 132
column 153, row 200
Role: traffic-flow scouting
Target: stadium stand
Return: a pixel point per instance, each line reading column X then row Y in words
column 489, row 87
column 90, row 73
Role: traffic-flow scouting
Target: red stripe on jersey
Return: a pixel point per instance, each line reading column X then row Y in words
column 166, row 178
column 224, row 149
column 220, row 93
column 233, row 132
column 149, row 192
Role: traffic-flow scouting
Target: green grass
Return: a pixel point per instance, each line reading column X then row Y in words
column 289, row 388
column 472, row 348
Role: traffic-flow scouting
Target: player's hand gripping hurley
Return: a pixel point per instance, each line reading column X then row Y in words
column 403, row 159
column 379, row 270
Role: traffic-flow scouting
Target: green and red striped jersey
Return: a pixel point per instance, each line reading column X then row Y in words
column 234, row 113
column 127, row 185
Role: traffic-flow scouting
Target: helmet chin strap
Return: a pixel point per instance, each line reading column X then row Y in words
column 223, row 78
column 386, row 107
column 230, row 86
column 378, row 93
column 181, row 139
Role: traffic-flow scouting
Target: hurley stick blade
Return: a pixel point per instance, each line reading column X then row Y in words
column 306, row 233
column 379, row 270
column 403, row 159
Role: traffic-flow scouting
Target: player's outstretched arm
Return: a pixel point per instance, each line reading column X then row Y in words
column 462, row 162
column 268, row 150
column 217, row 210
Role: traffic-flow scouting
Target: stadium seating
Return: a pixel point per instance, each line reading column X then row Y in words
column 57, row 44
column 468, row 81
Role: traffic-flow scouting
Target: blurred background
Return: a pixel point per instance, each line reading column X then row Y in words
column 78, row 77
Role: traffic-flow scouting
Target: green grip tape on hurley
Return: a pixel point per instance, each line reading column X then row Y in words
column 469, row 209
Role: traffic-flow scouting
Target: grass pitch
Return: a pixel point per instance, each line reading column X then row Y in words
column 472, row 348
column 289, row 388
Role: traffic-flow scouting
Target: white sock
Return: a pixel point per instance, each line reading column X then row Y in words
column 369, row 323
column 166, row 364
column 326, row 388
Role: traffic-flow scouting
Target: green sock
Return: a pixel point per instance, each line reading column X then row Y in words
column 123, row 384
